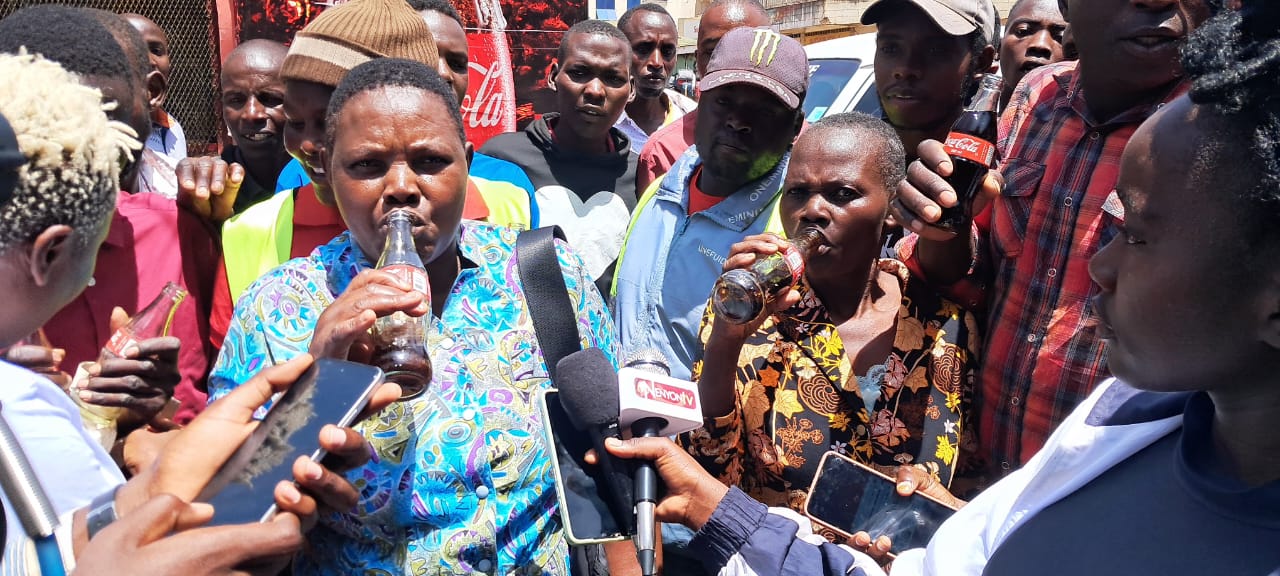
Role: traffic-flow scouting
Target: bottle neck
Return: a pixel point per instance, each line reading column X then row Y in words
column 155, row 320
column 806, row 241
column 399, row 243
column 988, row 97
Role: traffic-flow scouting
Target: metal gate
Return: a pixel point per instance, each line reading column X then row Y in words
column 194, row 55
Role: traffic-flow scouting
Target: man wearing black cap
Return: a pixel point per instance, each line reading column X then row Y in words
column 928, row 53
column 722, row 190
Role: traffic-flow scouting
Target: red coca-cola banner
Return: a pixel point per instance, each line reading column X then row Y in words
column 489, row 108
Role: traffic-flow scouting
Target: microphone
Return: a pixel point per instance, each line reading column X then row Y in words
column 30, row 504
column 652, row 403
column 587, row 385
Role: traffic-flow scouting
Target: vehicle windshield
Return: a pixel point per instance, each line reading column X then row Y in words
column 827, row 78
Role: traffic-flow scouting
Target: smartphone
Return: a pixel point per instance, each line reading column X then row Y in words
column 329, row 392
column 583, row 512
column 848, row 496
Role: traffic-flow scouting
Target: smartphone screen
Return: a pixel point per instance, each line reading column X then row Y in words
column 585, row 514
column 850, row 497
column 330, row 392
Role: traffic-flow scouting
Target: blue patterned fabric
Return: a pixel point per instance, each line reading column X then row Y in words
column 461, row 482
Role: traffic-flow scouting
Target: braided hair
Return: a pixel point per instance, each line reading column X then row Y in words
column 73, row 151
column 1233, row 61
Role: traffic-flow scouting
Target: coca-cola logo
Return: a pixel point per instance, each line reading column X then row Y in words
column 970, row 145
column 660, row 392
column 487, row 108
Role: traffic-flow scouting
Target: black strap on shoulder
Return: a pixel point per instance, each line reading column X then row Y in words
column 555, row 325
column 554, row 322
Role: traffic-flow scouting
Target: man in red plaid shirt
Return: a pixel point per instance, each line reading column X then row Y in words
column 1045, row 214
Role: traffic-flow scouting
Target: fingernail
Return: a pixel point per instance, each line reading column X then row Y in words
column 85, row 394
column 291, row 494
column 905, row 486
column 202, row 191
column 314, row 471
column 333, row 435
column 614, row 442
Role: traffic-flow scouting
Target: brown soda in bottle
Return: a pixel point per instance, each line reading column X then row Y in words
column 740, row 295
column 971, row 145
column 400, row 340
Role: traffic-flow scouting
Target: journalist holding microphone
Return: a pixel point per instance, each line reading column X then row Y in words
column 60, row 160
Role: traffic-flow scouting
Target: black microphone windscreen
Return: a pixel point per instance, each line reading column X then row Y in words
column 588, row 386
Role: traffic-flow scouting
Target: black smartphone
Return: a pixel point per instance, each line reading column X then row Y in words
column 583, row 512
column 329, row 392
column 849, row 497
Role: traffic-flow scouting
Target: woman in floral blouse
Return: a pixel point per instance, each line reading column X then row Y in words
column 856, row 359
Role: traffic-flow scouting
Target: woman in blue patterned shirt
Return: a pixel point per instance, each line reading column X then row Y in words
column 460, row 482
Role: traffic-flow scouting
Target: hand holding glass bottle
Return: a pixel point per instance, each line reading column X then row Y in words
column 758, row 276
column 136, row 371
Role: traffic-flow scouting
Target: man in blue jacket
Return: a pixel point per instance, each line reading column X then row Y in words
column 721, row 191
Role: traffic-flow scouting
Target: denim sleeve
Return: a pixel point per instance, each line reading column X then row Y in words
column 746, row 538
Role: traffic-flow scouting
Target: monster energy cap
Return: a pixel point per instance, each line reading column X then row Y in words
column 761, row 57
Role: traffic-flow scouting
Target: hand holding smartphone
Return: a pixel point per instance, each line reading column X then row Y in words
column 849, row 497
column 329, row 392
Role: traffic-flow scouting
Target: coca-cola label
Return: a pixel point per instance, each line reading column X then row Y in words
column 489, row 108
column 121, row 340
column 413, row 275
column 795, row 262
column 971, row 148
column 659, row 392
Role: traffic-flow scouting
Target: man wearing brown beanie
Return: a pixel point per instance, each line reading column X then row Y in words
column 292, row 224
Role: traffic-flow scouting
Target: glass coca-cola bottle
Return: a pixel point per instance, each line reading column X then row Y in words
column 740, row 295
column 153, row 321
column 400, row 340
column 971, row 144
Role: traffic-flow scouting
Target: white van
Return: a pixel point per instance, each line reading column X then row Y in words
column 841, row 77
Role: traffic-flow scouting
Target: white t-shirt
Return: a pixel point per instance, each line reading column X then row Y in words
column 71, row 467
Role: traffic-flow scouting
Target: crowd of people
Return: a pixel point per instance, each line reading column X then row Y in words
column 1068, row 371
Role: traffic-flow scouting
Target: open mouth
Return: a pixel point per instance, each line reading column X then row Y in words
column 258, row 136
column 1154, row 38
column 1032, row 64
column 591, row 111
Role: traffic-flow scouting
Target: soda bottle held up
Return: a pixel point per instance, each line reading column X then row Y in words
column 400, row 340
column 154, row 321
column 740, row 295
column 971, row 144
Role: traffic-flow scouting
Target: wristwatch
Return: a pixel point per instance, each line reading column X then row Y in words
column 102, row 512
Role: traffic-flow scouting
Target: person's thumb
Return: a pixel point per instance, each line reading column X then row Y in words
column 907, row 482
column 157, row 517
column 118, row 319
column 637, row 448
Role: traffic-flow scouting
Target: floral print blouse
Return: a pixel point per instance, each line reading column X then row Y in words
column 797, row 397
column 460, row 482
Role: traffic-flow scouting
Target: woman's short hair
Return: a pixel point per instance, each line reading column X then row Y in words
column 74, row 153
column 875, row 139
column 385, row 72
